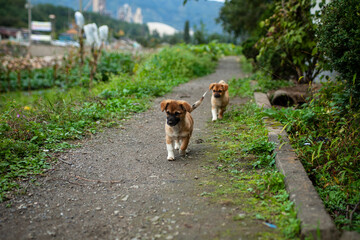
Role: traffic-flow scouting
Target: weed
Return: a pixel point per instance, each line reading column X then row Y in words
column 326, row 139
column 260, row 190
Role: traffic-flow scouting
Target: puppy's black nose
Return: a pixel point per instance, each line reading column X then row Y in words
column 172, row 121
column 217, row 95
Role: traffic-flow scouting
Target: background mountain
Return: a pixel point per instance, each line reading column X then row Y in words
column 171, row 12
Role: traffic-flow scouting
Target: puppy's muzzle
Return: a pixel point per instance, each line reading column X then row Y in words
column 217, row 95
column 172, row 120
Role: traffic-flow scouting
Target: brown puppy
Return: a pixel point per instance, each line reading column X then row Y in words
column 219, row 99
column 178, row 127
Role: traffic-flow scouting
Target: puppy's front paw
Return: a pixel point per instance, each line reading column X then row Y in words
column 171, row 158
column 214, row 119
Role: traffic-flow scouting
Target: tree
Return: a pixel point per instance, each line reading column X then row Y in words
column 13, row 13
column 339, row 34
column 241, row 17
column 200, row 34
column 187, row 32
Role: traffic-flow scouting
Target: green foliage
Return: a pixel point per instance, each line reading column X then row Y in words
column 200, row 34
column 30, row 134
column 187, row 37
column 272, row 181
column 215, row 49
column 68, row 74
column 249, row 49
column 14, row 14
column 327, row 142
column 289, row 48
column 339, row 34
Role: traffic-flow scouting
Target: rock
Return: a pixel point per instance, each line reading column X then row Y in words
column 124, row 199
column 51, row 233
column 154, row 219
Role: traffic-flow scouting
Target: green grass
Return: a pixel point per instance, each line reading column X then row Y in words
column 325, row 135
column 246, row 158
column 255, row 82
column 326, row 139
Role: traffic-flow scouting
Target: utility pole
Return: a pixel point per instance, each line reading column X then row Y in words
column 28, row 6
column 80, row 7
column 52, row 19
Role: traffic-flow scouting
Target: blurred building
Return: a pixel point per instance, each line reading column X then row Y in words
column 99, row 6
column 138, row 18
column 125, row 14
column 161, row 29
column 13, row 33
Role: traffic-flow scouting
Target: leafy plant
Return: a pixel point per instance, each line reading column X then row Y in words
column 289, row 48
column 65, row 75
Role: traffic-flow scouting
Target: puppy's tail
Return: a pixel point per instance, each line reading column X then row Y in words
column 197, row 103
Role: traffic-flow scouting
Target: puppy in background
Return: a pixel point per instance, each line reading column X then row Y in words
column 219, row 99
column 178, row 127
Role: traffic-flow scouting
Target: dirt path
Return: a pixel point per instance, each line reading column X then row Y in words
column 119, row 184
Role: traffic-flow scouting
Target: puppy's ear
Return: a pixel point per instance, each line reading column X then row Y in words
column 185, row 106
column 211, row 86
column 164, row 104
column 226, row 87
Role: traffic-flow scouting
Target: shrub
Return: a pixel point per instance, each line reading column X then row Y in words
column 249, row 49
column 289, row 47
column 339, row 34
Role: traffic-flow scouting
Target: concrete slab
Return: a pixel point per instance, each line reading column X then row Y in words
column 262, row 100
column 347, row 235
column 316, row 223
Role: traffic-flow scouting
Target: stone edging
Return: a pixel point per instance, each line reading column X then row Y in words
column 316, row 223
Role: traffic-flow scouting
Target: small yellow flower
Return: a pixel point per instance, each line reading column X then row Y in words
column 27, row 108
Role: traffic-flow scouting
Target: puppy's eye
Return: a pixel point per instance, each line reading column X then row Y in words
column 167, row 112
column 219, row 91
